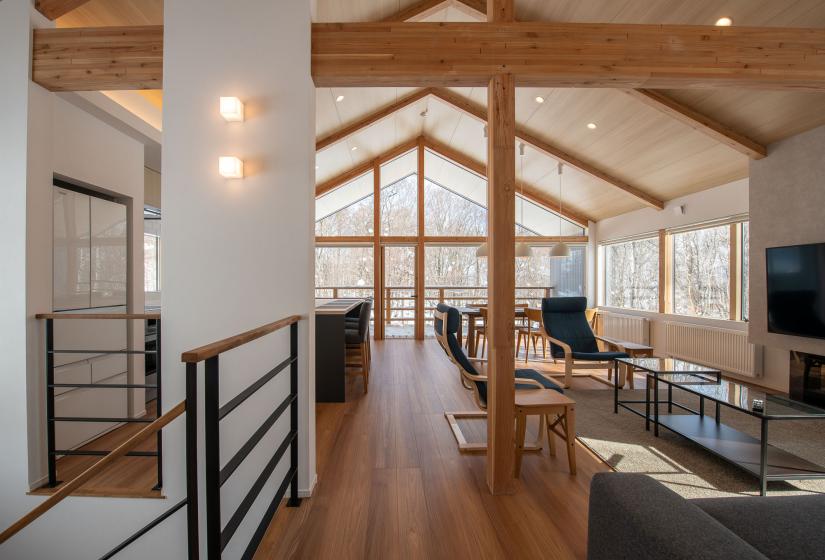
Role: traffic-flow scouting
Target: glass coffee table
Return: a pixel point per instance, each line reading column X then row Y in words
column 656, row 367
column 753, row 455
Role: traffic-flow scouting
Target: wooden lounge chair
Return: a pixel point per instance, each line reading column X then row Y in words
column 572, row 339
column 535, row 395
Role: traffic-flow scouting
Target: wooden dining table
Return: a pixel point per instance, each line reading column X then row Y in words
column 473, row 313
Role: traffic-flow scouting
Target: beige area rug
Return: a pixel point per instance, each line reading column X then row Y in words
column 621, row 441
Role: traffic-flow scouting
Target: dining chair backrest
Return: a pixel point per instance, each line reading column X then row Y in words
column 364, row 319
column 533, row 315
column 563, row 318
column 445, row 323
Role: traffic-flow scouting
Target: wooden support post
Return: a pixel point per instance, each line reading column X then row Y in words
column 419, row 253
column 735, row 272
column 501, row 283
column 665, row 279
column 377, row 261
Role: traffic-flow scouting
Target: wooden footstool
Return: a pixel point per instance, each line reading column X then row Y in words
column 558, row 410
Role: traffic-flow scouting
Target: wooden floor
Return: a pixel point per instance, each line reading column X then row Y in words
column 392, row 484
column 130, row 477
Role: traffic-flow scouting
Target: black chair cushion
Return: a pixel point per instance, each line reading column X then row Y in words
column 565, row 320
column 536, row 376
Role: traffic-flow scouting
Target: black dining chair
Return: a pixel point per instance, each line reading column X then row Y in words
column 358, row 342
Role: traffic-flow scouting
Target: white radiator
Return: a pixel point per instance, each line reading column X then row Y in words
column 630, row 328
column 725, row 349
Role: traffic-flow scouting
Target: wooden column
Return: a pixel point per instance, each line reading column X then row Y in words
column 501, row 173
column 378, row 262
column 735, row 272
column 665, row 279
column 419, row 253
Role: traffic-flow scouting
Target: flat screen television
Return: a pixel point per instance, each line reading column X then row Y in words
column 796, row 290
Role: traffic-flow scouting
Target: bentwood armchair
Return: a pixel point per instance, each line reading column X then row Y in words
column 535, row 395
column 571, row 337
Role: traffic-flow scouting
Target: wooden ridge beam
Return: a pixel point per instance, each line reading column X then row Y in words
column 478, row 112
column 699, row 122
column 54, row 9
column 98, row 58
column 567, row 55
column 362, row 168
column 425, row 8
column 529, row 192
column 374, row 117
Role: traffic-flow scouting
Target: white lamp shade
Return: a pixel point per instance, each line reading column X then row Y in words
column 560, row 250
column 482, row 250
column 231, row 109
column 523, row 250
column 230, row 167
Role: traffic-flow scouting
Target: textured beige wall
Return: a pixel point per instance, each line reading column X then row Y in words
column 787, row 207
column 151, row 187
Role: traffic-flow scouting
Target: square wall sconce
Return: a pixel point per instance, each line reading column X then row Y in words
column 231, row 109
column 230, row 167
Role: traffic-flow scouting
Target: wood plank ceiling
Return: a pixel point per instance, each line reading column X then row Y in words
column 634, row 142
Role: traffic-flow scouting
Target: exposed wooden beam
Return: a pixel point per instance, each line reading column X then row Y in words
column 699, row 122
column 477, row 111
column 425, row 8
column 567, row 55
column 370, row 119
column 417, row 11
column 445, row 239
column 362, row 168
column 98, row 58
column 527, row 191
column 53, row 9
column 473, row 7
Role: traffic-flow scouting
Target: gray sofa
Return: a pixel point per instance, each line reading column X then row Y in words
column 632, row 516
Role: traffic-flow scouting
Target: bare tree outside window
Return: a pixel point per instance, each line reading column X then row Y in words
column 632, row 274
column 701, row 272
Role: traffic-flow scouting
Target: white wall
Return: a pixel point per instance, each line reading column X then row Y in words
column 34, row 127
column 720, row 202
column 238, row 253
column 787, row 198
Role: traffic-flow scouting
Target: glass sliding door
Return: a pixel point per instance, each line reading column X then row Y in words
column 399, row 313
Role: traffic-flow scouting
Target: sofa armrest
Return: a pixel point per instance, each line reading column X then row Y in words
column 632, row 516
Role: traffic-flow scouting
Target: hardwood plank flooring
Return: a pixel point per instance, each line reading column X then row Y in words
column 128, row 477
column 392, row 484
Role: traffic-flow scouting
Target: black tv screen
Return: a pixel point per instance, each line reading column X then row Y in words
column 796, row 290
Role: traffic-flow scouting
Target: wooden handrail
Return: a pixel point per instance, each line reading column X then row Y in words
column 97, row 316
column 65, row 490
column 221, row 346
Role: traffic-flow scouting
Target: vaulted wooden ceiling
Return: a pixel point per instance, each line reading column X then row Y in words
column 633, row 142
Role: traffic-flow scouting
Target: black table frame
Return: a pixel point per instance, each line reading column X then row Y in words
column 701, row 376
column 764, row 447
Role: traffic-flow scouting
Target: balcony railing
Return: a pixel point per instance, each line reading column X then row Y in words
column 399, row 301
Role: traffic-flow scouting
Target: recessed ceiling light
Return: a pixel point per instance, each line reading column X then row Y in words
column 724, row 22
column 591, row 125
column 539, row 99
column 339, row 98
column 354, row 148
